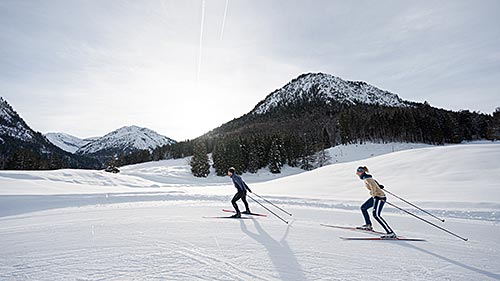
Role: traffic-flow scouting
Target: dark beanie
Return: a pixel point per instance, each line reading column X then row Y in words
column 361, row 169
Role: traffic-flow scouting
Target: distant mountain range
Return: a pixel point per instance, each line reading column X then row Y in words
column 125, row 140
column 121, row 141
column 312, row 112
column 23, row 148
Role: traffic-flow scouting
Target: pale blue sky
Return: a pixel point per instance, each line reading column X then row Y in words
column 89, row 67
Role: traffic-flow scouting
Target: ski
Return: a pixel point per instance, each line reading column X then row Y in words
column 253, row 214
column 382, row 239
column 374, row 232
column 223, row 217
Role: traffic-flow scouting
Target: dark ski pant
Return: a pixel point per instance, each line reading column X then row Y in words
column 377, row 203
column 240, row 195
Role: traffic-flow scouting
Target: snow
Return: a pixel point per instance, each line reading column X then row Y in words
column 353, row 152
column 329, row 89
column 92, row 225
column 11, row 127
column 128, row 137
column 67, row 142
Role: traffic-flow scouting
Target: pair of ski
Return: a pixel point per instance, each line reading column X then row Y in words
column 373, row 232
column 242, row 217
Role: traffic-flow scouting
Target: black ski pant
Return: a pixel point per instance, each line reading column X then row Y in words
column 240, row 195
column 377, row 203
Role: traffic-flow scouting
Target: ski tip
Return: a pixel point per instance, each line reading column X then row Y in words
column 221, row 217
column 402, row 239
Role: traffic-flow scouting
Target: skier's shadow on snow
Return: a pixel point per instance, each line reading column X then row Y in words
column 457, row 263
column 280, row 253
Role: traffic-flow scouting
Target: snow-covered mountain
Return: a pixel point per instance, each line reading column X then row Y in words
column 327, row 88
column 12, row 125
column 68, row 142
column 126, row 139
column 23, row 148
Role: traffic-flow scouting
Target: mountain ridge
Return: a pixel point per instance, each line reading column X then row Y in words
column 126, row 139
column 328, row 88
column 66, row 141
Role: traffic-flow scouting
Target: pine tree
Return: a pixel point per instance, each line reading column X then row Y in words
column 220, row 159
column 308, row 158
column 323, row 158
column 276, row 156
column 234, row 155
column 494, row 127
column 253, row 157
column 199, row 162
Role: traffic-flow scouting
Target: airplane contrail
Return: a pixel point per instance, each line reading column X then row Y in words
column 224, row 20
column 201, row 38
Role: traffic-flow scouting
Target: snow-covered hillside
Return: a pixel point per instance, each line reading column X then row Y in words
column 127, row 138
column 67, row 142
column 330, row 89
column 89, row 225
column 12, row 125
column 178, row 171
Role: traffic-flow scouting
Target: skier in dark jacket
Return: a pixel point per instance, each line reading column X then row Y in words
column 242, row 188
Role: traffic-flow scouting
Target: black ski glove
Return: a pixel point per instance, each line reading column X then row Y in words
column 380, row 185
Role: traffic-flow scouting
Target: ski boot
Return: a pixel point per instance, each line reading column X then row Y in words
column 247, row 212
column 367, row 227
column 237, row 215
column 391, row 235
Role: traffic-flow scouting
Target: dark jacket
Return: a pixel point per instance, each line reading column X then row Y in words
column 239, row 183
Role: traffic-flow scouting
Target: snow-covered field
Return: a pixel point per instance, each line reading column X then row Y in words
column 147, row 223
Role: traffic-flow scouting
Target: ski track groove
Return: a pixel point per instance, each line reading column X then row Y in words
column 58, row 262
column 216, row 262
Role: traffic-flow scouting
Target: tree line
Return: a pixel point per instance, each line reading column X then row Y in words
column 294, row 135
column 298, row 136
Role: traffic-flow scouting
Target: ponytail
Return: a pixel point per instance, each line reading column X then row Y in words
column 362, row 169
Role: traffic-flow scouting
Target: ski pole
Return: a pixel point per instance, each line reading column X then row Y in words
column 443, row 229
column 272, row 203
column 409, row 203
column 267, row 209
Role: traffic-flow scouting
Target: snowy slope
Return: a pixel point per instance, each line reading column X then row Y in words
column 329, row 89
column 178, row 171
column 90, row 225
column 127, row 138
column 67, row 142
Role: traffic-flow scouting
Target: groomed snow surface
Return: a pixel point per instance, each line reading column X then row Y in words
column 147, row 223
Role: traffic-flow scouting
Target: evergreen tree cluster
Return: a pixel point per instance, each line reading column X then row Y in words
column 420, row 124
column 335, row 123
column 39, row 154
column 200, row 166
column 249, row 154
